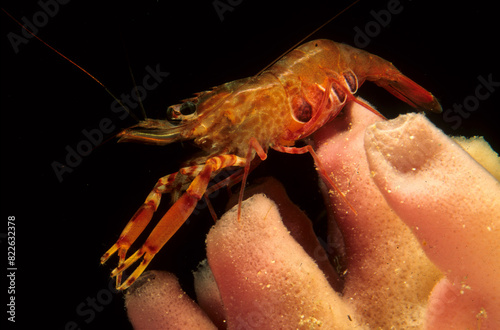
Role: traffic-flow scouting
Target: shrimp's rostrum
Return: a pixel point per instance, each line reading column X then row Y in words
column 232, row 123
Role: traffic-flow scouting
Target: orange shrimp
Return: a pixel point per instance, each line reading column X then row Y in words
column 232, row 123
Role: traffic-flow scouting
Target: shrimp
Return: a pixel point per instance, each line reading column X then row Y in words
column 234, row 122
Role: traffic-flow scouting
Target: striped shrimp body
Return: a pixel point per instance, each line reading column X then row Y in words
column 237, row 120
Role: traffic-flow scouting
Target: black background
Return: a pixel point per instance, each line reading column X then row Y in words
column 62, row 228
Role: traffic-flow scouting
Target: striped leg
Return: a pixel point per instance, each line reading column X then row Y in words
column 170, row 222
column 140, row 220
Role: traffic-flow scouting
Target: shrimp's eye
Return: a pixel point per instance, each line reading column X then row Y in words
column 171, row 114
column 188, row 108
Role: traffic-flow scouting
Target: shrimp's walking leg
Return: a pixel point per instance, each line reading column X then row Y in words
column 230, row 181
column 143, row 216
column 321, row 169
column 175, row 216
column 254, row 145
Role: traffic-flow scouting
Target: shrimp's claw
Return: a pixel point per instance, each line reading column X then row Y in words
column 384, row 74
column 164, row 230
column 138, row 271
column 410, row 92
column 129, row 234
